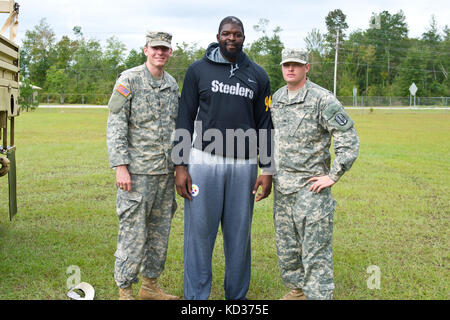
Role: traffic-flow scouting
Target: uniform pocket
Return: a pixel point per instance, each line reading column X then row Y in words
column 127, row 202
column 296, row 122
column 325, row 229
column 319, row 206
column 153, row 106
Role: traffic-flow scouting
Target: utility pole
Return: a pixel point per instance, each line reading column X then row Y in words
column 367, row 78
column 335, row 61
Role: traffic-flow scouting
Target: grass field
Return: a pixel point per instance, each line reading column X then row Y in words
column 393, row 212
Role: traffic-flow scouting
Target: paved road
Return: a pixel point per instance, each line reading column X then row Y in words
column 78, row 106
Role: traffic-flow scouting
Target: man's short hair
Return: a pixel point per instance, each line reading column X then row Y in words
column 232, row 20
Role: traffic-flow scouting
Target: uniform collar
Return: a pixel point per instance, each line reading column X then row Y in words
column 161, row 84
column 300, row 97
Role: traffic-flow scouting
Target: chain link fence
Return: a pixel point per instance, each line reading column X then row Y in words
column 74, row 98
column 382, row 101
column 362, row 101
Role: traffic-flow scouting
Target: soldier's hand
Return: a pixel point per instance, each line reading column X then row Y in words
column 265, row 181
column 320, row 183
column 183, row 182
column 123, row 178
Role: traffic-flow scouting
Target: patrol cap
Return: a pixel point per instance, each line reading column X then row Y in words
column 294, row 55
column 158, row 38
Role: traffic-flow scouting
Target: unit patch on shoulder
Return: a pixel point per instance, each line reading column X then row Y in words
column 121, row 95
column 123, row 90
column 341, row 119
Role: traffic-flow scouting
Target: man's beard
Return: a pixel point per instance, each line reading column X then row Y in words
column 230, row 54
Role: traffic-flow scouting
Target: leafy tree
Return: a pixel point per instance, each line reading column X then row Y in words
column 26, row 98
column 315, row 42
column 183, row 55
column 64, row 53
column 266, row 51
column 135, row 58
column 113, row 57
column 408, row 74
column 58, row 80
column 316, row 46
column 435, row 60
column 389, row 38
column 37, row 48
column 335, row 21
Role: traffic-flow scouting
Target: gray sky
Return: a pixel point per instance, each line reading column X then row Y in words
column 197, row 21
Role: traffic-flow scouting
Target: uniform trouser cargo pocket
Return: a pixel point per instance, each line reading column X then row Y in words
column 318, row 258
column 126, row 203
column 317, row 244
column 125, row 270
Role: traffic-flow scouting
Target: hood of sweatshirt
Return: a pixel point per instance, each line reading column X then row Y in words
column 213, row 55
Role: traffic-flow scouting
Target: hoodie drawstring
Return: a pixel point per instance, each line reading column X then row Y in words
column 233, row 69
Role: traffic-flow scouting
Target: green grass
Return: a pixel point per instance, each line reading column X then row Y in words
column 393, row 212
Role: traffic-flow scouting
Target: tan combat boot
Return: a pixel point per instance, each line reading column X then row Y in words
column 294, row 294
column 126, row 294
column 150, row 290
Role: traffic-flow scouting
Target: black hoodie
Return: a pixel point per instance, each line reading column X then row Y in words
column 222, row 96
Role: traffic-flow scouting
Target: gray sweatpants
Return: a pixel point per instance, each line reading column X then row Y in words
column 223, row 196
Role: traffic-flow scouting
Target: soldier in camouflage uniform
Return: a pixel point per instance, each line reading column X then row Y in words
column 143, row 111
column 306, row 117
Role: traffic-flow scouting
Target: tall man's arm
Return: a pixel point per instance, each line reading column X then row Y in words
column 187, row 112
column 264, row 127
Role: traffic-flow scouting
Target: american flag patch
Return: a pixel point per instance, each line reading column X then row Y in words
column 123, row 91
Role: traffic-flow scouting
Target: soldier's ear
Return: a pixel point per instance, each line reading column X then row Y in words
column 146, row 50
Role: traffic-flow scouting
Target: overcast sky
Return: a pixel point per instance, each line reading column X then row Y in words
column 197, row 21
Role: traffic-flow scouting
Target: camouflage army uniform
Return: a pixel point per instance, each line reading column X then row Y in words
column 141, row 122
column 303, row 219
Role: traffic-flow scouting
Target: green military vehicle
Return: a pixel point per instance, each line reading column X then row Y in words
column 9, row 96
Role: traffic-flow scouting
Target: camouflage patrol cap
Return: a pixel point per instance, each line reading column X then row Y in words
column 294, row 55
column 155, row 38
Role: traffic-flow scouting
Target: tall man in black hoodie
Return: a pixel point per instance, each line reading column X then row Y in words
column 227, row 96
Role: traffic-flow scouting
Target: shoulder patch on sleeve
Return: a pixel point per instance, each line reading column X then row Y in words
column 337, row 117
column 340, row 119
column 119, row 97
column 123, row 90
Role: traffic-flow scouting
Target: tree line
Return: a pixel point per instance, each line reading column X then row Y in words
column 379, row 61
